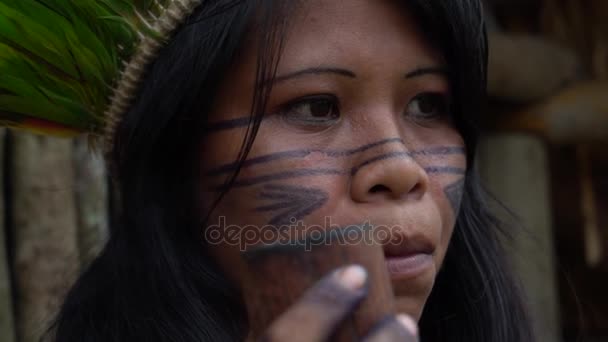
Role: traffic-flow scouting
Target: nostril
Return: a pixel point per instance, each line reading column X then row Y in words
column 379, row 188
column 417, row 188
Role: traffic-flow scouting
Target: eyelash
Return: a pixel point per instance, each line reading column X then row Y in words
column 291, row 108
column 441, row 103
column 289, row 111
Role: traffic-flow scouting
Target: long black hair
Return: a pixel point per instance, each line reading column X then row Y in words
column 153, row 281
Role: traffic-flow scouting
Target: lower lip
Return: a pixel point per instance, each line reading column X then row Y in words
column 409, row 266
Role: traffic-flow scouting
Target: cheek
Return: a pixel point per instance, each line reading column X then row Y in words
column 261, row 197
column 447, row 194
column 278, row 181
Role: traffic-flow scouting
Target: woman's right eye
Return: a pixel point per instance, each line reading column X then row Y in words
column 312, row 111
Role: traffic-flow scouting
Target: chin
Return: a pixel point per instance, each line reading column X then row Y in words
column 412, row 294
column 410, row 306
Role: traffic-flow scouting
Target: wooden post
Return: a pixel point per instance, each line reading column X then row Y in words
column 46, row 253
column 7, row 328
column 91, row 200
column 515, row 169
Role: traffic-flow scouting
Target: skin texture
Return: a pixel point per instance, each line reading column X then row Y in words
column 382, row 155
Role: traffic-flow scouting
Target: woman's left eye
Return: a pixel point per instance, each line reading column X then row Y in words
column 428, row 106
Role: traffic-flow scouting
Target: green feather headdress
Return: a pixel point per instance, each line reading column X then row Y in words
column 74, row 66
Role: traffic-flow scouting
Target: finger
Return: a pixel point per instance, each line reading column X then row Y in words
column 321, row 309
column 400, row 328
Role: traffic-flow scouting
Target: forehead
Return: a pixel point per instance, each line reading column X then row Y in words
column 375, row 39
column 355, row 33
column 351, row 34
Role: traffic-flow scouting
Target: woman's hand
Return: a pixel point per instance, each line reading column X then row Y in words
column 316, row 316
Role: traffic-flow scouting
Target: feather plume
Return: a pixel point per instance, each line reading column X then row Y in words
column 60, row 60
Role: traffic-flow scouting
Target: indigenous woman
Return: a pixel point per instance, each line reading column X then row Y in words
column 258, row 112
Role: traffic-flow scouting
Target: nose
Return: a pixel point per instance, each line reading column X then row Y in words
column 391, row 175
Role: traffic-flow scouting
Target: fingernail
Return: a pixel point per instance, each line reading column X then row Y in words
column 353, row 277
column 408, row 323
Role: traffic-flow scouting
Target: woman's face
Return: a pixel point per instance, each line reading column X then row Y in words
column 358, row 130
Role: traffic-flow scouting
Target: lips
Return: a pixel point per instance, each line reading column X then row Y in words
column 408, row 267
column 402, row 245
column 408, row 257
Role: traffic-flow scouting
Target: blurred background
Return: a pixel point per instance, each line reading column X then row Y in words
column 543, row 154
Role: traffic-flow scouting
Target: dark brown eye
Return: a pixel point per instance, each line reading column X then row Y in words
column 320, row 111
column 321, row 108
column 428, row 106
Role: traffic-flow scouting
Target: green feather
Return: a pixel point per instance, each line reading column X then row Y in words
column 59, row 59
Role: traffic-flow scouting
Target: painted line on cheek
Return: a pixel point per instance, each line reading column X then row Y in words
column 285, row 191
column 454, row 193
column 363, row 148
column 282, row 176
column 445, row 170
column 322, row 172
column 392, row 155
column 299, row 154
column 231, row 167
column 406, row 155
column 259, row 160
column 441, row 151
column 296, row 202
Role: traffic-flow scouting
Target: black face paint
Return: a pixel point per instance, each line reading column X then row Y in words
column 293, row 202
column 445, row 170
column 454, row 194
column 290, row 203
column 434, row 151
column 280, row 176
column 311, row 172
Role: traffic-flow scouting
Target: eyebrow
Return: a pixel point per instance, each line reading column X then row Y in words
column 347, row 73
column 314, row 71
column 441, row 70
